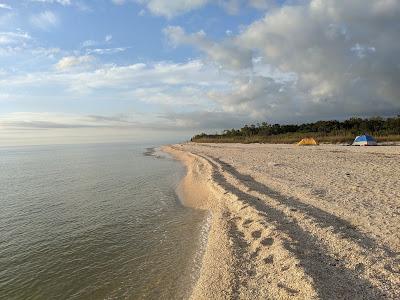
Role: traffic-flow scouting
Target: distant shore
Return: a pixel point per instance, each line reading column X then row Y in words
column 326, row 132
column 292, row 222
column 292, row 138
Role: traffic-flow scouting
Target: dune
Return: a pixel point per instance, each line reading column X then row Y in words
column 296, row 223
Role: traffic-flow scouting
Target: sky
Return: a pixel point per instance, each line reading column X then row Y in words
column 147, row 70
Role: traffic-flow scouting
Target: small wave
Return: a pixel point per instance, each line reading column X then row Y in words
column 155, row 152
column 149, row 151
column 198, row 256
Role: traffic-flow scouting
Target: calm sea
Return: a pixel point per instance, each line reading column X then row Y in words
column 94, row 222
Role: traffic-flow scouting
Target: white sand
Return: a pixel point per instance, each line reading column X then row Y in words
column 296, row 222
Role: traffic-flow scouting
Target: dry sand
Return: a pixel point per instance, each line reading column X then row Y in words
column 293, row 222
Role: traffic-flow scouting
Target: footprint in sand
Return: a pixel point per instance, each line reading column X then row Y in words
column 359, row 268
column 247, row 222
column 285, row 268
column 255, row 253
column 288, row 289
column 256, row 234
column 263, row 223
column 267, row 241
column 269, row 259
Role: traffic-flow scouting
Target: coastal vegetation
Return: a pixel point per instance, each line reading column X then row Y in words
column 333, row 131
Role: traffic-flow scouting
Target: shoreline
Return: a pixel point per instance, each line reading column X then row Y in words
column 273, row 235
column 215, row 279
column 197, row 192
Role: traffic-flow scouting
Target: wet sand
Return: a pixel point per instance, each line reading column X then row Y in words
column 293, row 222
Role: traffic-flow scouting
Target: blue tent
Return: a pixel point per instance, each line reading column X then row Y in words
column 364, row 140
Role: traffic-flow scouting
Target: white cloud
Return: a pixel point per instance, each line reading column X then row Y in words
column 108, row 38
column 343, row 57
column 103, row 51
column 313, row 60
column 173, row 8
column 45, row 20
column 5, row 6
column 21, row 43
column 62, row 2
column 316, row 41
column 69, row 62
column 11, row 38
column 81, row 5
column 89, row 43
column 47, row 52
column 116, row 79
column 226, row 53
column 12, row 42
column 93, row 43
column 177, row 90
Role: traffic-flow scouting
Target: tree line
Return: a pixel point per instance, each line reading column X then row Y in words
column 354, row 126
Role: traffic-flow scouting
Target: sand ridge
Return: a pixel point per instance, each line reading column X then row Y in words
column 296, row 223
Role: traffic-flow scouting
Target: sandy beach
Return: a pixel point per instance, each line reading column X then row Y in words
column 293, row 222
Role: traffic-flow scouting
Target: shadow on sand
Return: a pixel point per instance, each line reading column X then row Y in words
column 332, row 280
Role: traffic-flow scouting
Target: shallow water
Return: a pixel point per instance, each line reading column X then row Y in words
column 94, row 222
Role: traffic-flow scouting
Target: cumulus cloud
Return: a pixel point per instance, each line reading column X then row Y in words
column 300, row 62
column 226, row 53
column 343, row 57
column 167, row 85
column 258, row 97
column 69, row 62
column 177, row 91
column 341, row 51
column 45, row 20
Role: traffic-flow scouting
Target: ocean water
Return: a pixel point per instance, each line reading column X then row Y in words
column 94, row 222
